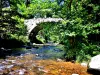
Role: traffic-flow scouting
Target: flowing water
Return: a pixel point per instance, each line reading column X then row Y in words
column 45, row 52
column 41, row 53
column 34, row 61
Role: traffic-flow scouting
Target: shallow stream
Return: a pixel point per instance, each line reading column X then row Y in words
column 45, row 52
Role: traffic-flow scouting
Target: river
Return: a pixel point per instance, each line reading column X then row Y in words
column 44, row 52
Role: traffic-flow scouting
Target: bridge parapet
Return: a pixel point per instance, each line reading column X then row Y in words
column 32, row 23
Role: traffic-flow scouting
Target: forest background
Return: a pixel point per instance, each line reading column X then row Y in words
column 79, row 31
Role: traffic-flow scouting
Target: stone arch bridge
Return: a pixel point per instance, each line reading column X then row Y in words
column 33, row 25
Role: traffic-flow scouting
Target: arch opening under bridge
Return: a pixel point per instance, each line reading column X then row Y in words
column 33, row 26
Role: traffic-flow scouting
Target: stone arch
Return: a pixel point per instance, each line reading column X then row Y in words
column 33, row 33
column 33, row 26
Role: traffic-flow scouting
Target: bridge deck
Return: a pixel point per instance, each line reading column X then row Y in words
column 32, row 23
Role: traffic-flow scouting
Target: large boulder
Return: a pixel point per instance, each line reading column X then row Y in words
column 95, row 62
column 94, row 65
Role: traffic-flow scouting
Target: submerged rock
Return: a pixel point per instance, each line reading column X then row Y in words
column 9, row 66
column 2, row 67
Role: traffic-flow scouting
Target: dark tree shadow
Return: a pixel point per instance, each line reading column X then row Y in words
column 6, row 46
column 93, row 71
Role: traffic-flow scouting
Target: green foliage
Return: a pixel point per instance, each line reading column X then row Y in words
column 21, row 30
column 12, row 25
column 50, row 31
column 79, row 31
column 76, row 30
column 37, row 8
column 6, row 23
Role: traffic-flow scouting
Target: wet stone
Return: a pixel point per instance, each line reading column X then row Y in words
column 9, row 66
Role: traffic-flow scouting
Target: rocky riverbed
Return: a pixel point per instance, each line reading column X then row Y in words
column 27, row 65
column 39, row 61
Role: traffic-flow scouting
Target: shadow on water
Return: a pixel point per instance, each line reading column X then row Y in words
column 10, row 43
column 6, row 46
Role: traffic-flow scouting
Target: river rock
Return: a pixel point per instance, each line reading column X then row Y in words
column 94, row 65
column 95, row 62
column 59, row 60
column 9, row 66
column 75, row 74
column 12, row 61
column 2, row 67
column 22, row 71
column 84, row 64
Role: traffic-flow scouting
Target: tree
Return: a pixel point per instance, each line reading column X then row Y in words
column 11, row 24
column 80, row 30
